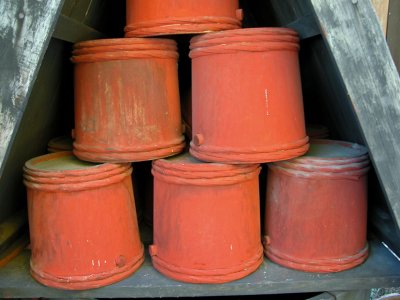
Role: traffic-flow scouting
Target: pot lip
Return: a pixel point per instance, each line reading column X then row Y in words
column 245, row 32
column 124, row 42
column 65, row 164
column 187, row 163
column 330, row 154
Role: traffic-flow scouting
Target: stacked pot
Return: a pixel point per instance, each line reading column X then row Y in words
column 247, row 109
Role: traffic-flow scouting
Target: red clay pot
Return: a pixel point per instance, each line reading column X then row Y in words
column 82, row 221
column 206, row 220
column 316, row 208
column 58, row 144
column 126, row 100
column 166, row 17
column 317, row 131
column 251, row 111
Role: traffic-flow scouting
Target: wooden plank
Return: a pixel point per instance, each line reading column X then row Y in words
column 393, row 36
column 25, row 31
column 382, row 269
column 352, row 33
column 381, row 9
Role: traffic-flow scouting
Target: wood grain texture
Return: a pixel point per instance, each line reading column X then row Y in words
column 25, row 30
column 382, row 8
column 382, row 269
column 352, row 33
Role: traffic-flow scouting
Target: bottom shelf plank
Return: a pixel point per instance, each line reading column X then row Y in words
column 382, row 269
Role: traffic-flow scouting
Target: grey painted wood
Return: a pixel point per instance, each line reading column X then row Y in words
column 382, row 269
column 25, row 31
column 352, row 32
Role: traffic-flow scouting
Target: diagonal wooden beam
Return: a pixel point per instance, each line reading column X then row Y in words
column 351, row 31
column 25, row 30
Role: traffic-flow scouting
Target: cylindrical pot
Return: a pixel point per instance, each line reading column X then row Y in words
column 126, row 100
column 82, row 221
column 167, row 17
column 206, row 220
column 317, row 131
column 60, row 143
column 252, row 111
column 316, row 208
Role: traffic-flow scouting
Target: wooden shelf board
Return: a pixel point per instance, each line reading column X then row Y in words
column 382, row 269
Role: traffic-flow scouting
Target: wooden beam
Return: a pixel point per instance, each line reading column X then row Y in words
column 25, row 31
column 352, row 33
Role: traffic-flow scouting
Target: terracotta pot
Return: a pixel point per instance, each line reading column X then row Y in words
column 64, row 143
column 252, row 111
column 197, row 233
column 82, row 221
column 166, row 17
column 316, row 208
column 317, row 131
column 58, row 144
column 126, row 100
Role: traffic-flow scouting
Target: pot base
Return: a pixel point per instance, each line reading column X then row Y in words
column 327, row 265
column 127, row 156
column 207, row 276
column 181, row 26
column 237, row 156
column 91, row 281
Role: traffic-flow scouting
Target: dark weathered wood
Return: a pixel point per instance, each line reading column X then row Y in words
column 305, row 26
column 392, row 35
column 382, row 269
column 73, row 31
column 358, row 47
column 11, row 228
column 25, row 31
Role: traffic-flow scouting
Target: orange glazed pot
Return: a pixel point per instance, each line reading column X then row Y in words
column 316, row 208
column 61, row 143
column 166, row 17
column 82, row 221
column 246, row 96
column 126, row 100
column 206, row 220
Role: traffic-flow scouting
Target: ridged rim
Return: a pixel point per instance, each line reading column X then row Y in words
column 185, row 169
column 247, row 39
column 214, row 275
column 325, row 265
column 123, row 49
column 245, row 33
column 182, row 25
column 91, row 280
column 160, row 43
column 72, row 180
column 340, row 163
